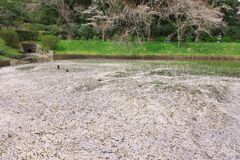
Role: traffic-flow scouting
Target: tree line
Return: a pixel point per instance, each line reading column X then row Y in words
column 180, row 20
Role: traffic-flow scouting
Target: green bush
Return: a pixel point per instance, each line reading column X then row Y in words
column 210, row 39
column 228, row 39
column 164, row 29
column 161, row 39
column 10, row 37
column 110, row 32
column 234, row 32
column 8, row 52
column 86, row 32
column 27, row 35
column 189, row 38
column 50, row 42
column 53, row 29
column 75, row 29
column 37, row 27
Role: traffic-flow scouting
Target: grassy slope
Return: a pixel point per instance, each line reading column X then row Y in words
column 148, row 48
column 8, row 52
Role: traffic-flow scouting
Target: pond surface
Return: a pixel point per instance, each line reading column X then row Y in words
column 103, row 109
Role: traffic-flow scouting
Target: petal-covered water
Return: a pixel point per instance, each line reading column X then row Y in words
column 117, row 110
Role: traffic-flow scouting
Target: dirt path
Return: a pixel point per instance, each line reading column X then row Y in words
column 116, row 110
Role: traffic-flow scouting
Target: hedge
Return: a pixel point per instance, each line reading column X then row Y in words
column 27, row 35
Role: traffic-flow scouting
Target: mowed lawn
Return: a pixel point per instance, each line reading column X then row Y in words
column 95, row 47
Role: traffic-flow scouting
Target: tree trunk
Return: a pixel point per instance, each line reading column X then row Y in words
column 197, row 37
column 69, row 30
column 180, row 38
column 149, row 34
column 103, row 35
column 70, row 34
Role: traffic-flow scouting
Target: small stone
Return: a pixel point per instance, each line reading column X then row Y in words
column 194, row 118
column 99, row 80
column 9, row 135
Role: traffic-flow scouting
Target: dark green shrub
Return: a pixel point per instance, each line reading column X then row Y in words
column 45, row 14
column 50, row 29
column 10, row 37
column 234, row 32
column 228, row 39
column 110, row 32
column 38, row 27
column 189, row 38
column 210, row 39
column 27, row 35
column 53, row 29
column 161, row 39
column 75, row 28
column 164, row 29
column 86, row 32
column 50, row 42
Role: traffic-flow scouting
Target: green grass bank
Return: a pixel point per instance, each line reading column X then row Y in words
column 147, row 48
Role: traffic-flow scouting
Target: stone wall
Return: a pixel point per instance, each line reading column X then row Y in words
column 29, row 47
